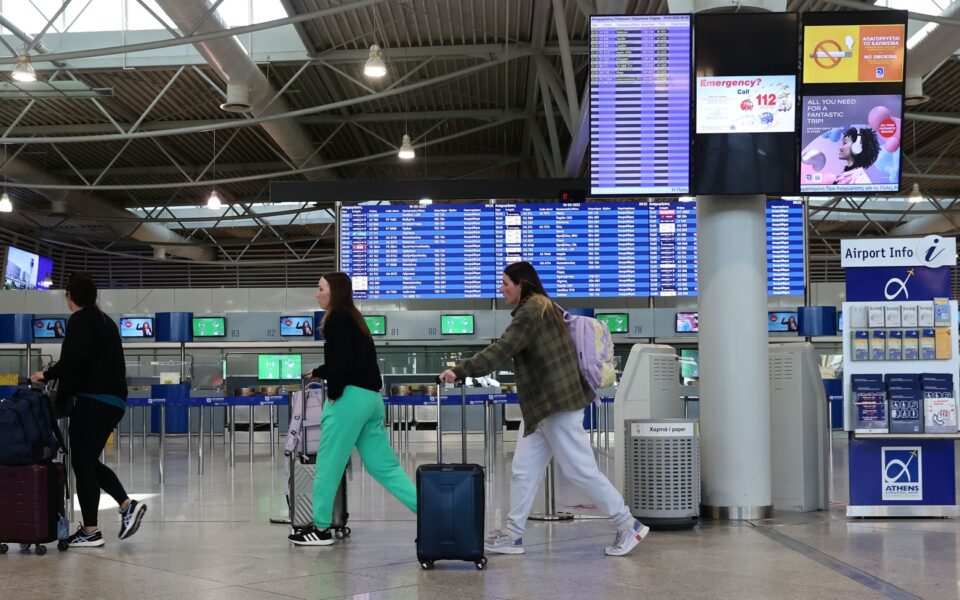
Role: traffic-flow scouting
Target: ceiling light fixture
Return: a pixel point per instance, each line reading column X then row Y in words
column 375, row 67
column 406, row 149
column 5, row 205
column 915, row 195
column 23, row 71
column 213, row 201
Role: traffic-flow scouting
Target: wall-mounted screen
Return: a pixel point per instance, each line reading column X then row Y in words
column 279, row 366
column 639, row 104
column 689, row 366
column 839, row 320
column 850, row 143
column 296, row 326
column 580, row 250
column 616, row 322
column 209, row 327
column 782, row 321
column 763, row 104
column 746, row 70
column 687, row 322
column 136, row 327
column 377, row 324
column 853, row 53
column 456, row 325
column 26, row 271
column 49, row 328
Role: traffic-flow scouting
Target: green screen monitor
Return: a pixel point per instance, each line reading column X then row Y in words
column 209, row 327
column 689, row 365
column 616, row 322
column 377, row 324
column 456, row 324
column 279, row 366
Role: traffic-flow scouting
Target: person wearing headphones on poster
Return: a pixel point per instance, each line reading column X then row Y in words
column 860, row 149
column 552, row 394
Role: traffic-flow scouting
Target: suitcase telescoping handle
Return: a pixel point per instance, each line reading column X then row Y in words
column 463, row 421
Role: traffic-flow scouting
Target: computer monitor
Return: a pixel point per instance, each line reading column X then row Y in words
column 456, row 325
column 209, row 327
column 136, row 327
column 687, row 322
column 49, row 328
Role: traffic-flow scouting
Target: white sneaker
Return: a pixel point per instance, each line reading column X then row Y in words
column 503, row 542
column 627, row 539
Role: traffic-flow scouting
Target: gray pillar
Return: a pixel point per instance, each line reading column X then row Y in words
column 734, row 388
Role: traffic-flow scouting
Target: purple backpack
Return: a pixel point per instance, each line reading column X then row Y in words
column 594, row 349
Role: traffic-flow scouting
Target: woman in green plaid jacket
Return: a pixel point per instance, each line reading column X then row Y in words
column 552, row 395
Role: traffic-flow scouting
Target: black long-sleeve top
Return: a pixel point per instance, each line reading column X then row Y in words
column 350, row 358
column 91, row 358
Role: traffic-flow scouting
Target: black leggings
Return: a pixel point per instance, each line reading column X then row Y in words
column 90, row 427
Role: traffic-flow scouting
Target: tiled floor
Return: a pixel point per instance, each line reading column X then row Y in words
column 209, row 538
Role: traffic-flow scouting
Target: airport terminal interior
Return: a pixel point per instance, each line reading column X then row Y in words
column 747, row 211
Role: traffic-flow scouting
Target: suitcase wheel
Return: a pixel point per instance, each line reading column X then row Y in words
column 4, row 548
column 426, row 564
column 62, row 545
column 40, row 550
column 24, row 547
column 481, row 563
column 346, row 532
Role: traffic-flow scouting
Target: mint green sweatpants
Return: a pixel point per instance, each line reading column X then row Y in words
column 356, row 419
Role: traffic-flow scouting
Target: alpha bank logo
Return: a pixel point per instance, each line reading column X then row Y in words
column 902, row 473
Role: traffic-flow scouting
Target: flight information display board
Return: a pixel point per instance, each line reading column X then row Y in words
column 640, row 104
column 579, row 249
column 419, row 252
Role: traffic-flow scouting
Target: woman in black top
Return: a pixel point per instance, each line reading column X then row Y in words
column 92, row 370
column 353, row 414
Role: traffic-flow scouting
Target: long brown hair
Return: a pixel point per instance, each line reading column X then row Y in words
column 525, row 275
column 341, row 299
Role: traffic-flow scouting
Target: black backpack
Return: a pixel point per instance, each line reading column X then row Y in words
column 28, row 431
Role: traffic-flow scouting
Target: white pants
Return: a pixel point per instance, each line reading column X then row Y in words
column 560, row 435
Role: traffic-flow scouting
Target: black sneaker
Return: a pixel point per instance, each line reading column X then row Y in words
column 130, row 518
column 311, row 536
column 82, row 539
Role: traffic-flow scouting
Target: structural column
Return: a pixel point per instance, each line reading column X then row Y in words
column 734, row 387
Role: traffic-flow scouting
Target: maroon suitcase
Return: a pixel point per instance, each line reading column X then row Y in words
column 32, row 505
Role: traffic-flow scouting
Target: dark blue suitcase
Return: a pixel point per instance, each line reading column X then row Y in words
column 450, row 505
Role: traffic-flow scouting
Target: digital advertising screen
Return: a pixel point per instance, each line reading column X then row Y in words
column 781, row 322
column 456, row 325
column 279, row 366
column 616, row 322
column 209, row 327
column 745, row 65
column 853, row 53
column 689, row 365
column 763, row 104
column 850, row 144
column 26, row 271
column 136, row 327
column 640, row 104
column 377, row 324
column 49, row 328
column 687, row 322
column 296, row 326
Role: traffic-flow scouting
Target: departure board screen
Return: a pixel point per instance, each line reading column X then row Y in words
column 419, row 252
column 640, row 69
column 579, row 249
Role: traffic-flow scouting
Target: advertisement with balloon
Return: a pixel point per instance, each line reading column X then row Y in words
column 850, row 143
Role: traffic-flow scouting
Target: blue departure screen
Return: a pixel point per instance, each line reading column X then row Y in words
column 414, row 252
column 579, row 249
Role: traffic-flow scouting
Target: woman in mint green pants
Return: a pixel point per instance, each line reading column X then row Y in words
column 353, row 414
